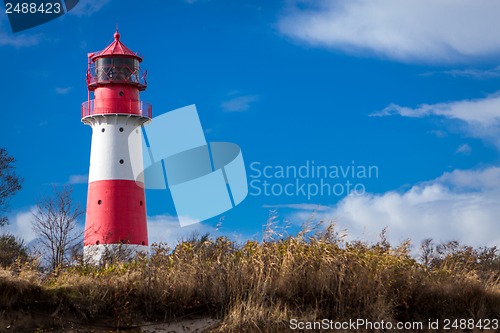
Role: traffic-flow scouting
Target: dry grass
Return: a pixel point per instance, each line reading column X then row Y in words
column 259, row 287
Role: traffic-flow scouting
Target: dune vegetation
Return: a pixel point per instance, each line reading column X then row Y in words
column 257, row 286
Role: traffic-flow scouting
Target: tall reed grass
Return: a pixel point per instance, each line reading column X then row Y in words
column 260, row 287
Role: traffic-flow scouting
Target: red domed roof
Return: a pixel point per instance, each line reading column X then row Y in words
column 116, row 48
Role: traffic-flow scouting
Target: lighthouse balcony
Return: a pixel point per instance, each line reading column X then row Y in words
column 133, row 108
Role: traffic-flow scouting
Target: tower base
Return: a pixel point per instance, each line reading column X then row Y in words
column 102, row 253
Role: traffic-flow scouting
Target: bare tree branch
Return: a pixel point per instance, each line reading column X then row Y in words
column 55, row 220
column 10, row 183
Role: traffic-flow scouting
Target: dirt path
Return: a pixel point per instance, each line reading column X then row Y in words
column 190, row 325
column 23, row 322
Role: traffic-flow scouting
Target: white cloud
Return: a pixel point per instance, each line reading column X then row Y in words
column 20, row 225
column 161, row 228
column 18, row 40
column 63, row 90
column 239, row 104
column 438, row 133
column 461, row 205
column 480, row 118
column 191, row 2
column 166, row 229
column 302, row 206
column 424, row 30
column 78, row 179
column 474, row 73
column 464, row 149
column 88, row 7
column 472, row 180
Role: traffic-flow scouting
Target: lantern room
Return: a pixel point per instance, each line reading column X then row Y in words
column 115, row 80
column 115, row 64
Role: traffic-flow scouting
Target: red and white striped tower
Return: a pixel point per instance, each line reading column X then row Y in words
column 116, row 205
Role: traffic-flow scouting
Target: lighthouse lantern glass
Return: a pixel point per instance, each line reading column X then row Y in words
column 117, row 69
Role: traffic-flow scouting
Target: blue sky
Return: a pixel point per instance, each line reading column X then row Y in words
column 411, row 89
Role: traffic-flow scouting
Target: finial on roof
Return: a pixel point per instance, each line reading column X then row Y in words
column 117, row 34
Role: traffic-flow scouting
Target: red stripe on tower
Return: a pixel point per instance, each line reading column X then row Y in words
column 116, row 205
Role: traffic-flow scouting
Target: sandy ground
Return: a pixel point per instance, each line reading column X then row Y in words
column 190, row 325
column 26, row 323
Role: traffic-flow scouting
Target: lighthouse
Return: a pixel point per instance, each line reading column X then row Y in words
column 116, row 205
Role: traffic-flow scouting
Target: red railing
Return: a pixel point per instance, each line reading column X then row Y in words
column 142, row 108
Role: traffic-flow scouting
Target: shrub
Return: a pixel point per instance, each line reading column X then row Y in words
column 259, row 287
column 11, row 249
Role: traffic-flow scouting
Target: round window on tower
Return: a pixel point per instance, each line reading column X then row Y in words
column 122, row 161
column 121, row 129
column 99, row 202
column 121, row 93
column 102, row 130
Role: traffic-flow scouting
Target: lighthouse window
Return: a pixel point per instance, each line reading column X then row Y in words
column 121, row 161
column 121, row 129
column 99, row 202
column 97, row 243
column 120, row 93
column 143, row 243
column 103, row 130
column 140, row 202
